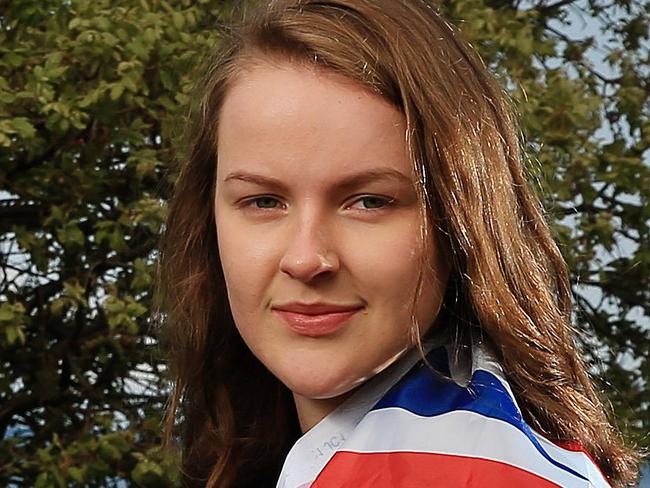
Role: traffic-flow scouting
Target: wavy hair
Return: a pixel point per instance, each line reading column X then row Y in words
column 509, row 281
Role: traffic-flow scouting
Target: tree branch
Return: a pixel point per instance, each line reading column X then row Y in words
column 545, row 9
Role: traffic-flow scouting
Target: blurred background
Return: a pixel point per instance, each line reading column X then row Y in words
column 94, row 97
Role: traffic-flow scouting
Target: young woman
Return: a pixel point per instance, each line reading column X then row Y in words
column 354, row 266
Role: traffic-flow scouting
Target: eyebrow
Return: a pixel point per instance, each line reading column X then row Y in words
column 349, row 182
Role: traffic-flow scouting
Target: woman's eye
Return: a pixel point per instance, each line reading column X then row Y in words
column 262, row 203
column 369, row 202
column 372, row 202
column 266, row 202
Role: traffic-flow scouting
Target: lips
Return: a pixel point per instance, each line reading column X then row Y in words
column 317, row 319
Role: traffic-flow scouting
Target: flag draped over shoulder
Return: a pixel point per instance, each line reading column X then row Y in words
column 410, row 427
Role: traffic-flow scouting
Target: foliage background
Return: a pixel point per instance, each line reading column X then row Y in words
column 93, row 96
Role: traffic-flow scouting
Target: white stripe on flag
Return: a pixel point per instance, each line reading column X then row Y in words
column 465, row 433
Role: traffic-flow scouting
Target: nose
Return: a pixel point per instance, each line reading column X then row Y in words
column 310, row 253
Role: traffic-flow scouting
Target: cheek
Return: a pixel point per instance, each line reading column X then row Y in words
column 386, row 262
column 387, row 266
column 248, row 264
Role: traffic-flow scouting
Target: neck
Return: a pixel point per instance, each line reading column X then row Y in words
column 311, row 411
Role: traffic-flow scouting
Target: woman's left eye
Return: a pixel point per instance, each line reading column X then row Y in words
column 372, row 202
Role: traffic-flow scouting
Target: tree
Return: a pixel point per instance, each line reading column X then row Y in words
column 92, row 103
column 91, row 94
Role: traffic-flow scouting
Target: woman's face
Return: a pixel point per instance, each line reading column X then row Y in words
column 318, row 223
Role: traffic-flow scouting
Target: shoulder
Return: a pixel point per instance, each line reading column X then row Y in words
column 430, row 431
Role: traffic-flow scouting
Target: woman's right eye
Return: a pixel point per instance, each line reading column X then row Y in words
column 262, row 203
column 266, row 202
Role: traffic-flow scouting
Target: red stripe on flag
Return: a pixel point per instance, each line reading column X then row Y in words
column 422, row 470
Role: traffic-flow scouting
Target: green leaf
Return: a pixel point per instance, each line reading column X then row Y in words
column 178, row 20
column 23, row 127
column 116, row 90
column 147, row 473
column 77, row 474
column 71, row 235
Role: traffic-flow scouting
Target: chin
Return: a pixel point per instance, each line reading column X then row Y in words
column 325, row 387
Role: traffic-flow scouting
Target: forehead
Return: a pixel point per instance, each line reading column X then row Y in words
column 306, row 121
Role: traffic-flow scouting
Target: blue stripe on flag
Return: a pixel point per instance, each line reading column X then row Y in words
column 426, row 394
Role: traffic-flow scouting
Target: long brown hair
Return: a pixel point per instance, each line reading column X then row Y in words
column 509, row 280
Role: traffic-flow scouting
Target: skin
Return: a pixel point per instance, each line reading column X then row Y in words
column 303, row 214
